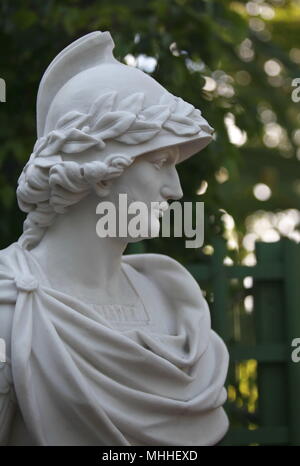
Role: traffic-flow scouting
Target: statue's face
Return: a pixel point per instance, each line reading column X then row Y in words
column 152, row 178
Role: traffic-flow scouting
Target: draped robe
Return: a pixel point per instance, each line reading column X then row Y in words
column 81, row 379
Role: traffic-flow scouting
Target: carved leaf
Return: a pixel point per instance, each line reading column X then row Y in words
column 182, row 107
column 140, row 131
column 197, row 114
column 40, row 144
column 54, row 141
column 46, row 162
column 132, row 103
column 182, row 126
column 113, row 124
column 155, row 114
column 169, row 100
column 102, row 105
column 198, row 118
column 77, row 141
column 72, row 119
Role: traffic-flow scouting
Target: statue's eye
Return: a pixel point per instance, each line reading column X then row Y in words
column 160, row 163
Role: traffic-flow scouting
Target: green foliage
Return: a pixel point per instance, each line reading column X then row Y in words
column 190, row 39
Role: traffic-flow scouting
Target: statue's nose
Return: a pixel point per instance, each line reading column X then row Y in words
column 172, row 190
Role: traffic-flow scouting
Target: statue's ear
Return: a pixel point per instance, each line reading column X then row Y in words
column 87, row 52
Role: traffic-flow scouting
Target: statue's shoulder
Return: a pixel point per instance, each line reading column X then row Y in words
column 8, row 259
column 168, row 273
column 153, row 263
column 7, row 292
column 9, row 267
column 8, row 264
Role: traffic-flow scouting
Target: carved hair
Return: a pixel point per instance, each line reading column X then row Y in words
column 43, row 191
column 48, row 185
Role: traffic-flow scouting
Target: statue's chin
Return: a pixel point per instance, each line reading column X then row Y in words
column 155, row 227
column 150, row 229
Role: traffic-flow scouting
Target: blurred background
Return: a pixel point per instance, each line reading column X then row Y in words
column 236, row 61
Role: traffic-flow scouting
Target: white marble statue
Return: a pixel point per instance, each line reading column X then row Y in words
column 104, row 348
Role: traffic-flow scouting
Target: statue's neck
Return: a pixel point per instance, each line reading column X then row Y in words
column 74, row 257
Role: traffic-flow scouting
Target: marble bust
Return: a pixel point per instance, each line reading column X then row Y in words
column 104, row 348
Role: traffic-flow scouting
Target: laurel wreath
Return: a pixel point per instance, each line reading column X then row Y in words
column 129, row 123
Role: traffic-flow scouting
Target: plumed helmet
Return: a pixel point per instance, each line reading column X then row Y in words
column 88, row 101
column 94, row 117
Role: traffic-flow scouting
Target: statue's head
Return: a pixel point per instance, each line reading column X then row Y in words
column 97, row 118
